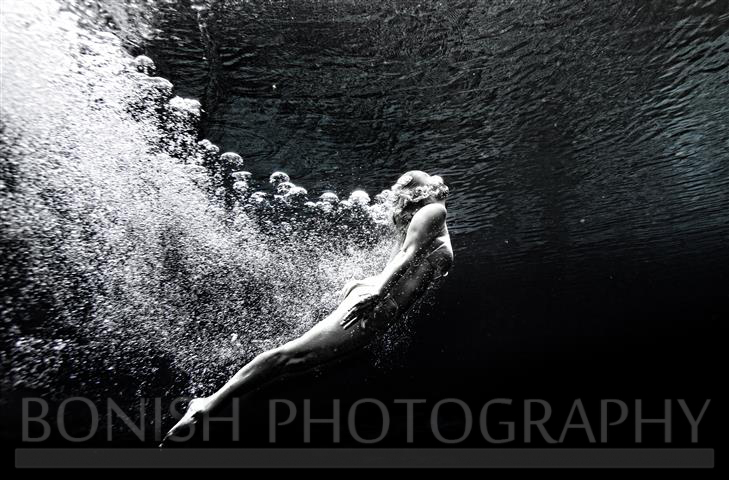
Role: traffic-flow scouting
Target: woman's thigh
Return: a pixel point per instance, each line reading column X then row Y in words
column 328, row 339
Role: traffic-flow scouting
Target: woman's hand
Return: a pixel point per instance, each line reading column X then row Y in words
column 364, row 306
column 348, row 287
column 352, row 284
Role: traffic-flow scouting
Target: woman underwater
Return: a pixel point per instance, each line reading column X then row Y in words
column 368, row 306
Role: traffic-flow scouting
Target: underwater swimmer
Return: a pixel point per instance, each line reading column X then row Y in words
column 368, row 306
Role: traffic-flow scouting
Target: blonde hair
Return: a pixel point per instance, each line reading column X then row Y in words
column 414, row 190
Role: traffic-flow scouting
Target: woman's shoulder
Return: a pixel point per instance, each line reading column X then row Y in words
column 428, row 220
column 431, row 212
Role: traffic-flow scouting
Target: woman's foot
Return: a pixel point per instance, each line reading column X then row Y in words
column 196, row 410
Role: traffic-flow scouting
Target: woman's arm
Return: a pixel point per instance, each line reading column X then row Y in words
column 425, row 226
column 352, row 284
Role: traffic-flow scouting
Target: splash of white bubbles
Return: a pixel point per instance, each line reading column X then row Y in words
column 137, row 260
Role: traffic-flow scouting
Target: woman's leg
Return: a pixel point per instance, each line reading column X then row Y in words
column 325, row 342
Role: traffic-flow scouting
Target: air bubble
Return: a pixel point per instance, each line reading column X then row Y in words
column 186, row 106
column 240, row 187
column 278, row 177
column 296, row 192
column 231, row 160
column 284, row 187
column 329, row 197
column 359, row 197
column 258, row 197
column 146, row 249
column 241, row 176
column 144, row 64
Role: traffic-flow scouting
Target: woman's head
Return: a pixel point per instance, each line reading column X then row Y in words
column 414, row 190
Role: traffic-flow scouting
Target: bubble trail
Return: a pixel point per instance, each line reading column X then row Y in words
column 137, row 260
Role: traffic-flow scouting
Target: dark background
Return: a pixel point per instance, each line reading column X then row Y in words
column 586, row 149
column 585, row 145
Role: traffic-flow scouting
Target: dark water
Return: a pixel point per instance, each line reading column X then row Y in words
column 560, row 124
column 584, row 143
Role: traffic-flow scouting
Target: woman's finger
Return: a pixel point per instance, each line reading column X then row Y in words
column 352, row 315
column 347, row 317
column 348, row 287
column 366, row 301
column 351, row 312
column 351, row 322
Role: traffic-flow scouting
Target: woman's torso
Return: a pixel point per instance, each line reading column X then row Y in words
column 430, row 265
